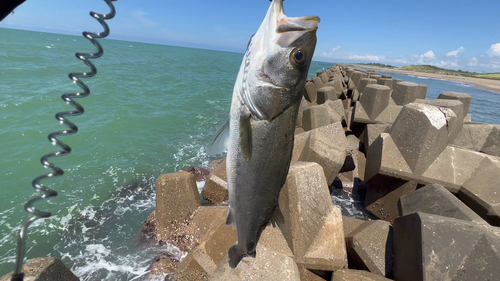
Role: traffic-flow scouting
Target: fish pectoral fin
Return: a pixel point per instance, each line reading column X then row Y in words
column 277, row 219
column 229, row 218
column 246, row 136
column 218, row 144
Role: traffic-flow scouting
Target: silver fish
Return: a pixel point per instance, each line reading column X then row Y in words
column 260, row 132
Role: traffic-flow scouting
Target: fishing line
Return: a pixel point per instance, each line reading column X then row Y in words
column 46, row 192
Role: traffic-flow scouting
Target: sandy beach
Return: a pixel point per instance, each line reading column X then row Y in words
column 489, row 84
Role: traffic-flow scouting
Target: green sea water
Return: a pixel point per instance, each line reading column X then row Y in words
column 152, row 110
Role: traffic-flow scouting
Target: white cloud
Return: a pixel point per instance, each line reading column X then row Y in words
column 429, row 55
column 330, row 55
column 446, row 64
column 494, row 50
column 455, row 53
column 367, row 57
column 472, row 62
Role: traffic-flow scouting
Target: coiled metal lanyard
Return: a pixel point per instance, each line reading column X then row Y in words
column 53, row 137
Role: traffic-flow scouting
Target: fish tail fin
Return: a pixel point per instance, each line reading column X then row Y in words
column 235, row 255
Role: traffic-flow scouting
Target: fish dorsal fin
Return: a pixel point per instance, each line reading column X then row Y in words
column 229, row 218
column 277, row 219
column 246, row 136
column 218, row 144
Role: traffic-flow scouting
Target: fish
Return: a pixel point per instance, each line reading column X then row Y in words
column 259, row 135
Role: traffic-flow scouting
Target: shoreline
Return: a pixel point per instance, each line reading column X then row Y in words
column 488, row 84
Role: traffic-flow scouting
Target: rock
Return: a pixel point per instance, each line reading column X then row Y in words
column 177, row 198
column 313, row 226
column 356, row 275
column 405, row 93
column 434, row 199
column 432, row 247
column 147, row 234
column 327, row 147
column 267, row 265
column 326, row 93
column 44, row 269
column 370, row 246
column 200, row 174
column 421, row 133
column 215, row 188
column 375, row 99
column 163, row 264
column 481, row 191
column 464, row 98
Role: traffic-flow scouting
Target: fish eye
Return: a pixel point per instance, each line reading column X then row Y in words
column 298, row 57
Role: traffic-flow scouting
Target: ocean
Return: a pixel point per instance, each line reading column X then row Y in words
column 152, row 110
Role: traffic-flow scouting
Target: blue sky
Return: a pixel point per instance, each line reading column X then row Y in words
column 455, row 34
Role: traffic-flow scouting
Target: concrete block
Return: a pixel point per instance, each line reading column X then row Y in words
column 375, row 99
column 337, row 106
column 464, row 98
column 481, row 192
column 177, row 198
column 385, row 82
column 317, row 82
column 454, row 125
column 313, row 226
column 405, row 93
column 420, row 132
column 299, row 144
column 356, row 275
column 215, row 188
column 324, row 77
column 272, row 238
column 434, row 199
column 357, row 76
column 337, row 83
column 44, row 269
column 326, row 93
column 370, row 246
column 479, row 137
column 350, row 224
column 327, row 147
column 365, row 81
column 304, row 104
column 432, row 247
column 372, row 132
column 451, row 168
column 201, row 262
column 382, row 198
column 375, row 76
column 311, row 91
column 267, row 265
column 386, row 76
column 395, row 81
column 422, row 91
column 314, row 117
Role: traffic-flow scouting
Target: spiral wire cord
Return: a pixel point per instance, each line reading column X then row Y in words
column 46, row 192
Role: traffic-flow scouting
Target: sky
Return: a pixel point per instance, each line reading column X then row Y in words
column 453, row 34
